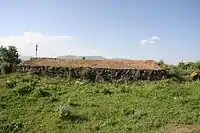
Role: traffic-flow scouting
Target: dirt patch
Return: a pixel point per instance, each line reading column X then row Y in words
column 180, row 129
column 115, row 64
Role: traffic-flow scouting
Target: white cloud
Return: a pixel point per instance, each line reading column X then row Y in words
column 53, row 46
column 143, row 41
column 49, row 46
column 155, row 38
column 151, row 40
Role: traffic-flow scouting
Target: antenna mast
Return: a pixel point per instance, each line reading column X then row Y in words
column 36, row 49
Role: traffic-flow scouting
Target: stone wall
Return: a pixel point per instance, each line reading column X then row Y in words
column 96, row 74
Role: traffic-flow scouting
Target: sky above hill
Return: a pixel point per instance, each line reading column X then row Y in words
column 166, row 30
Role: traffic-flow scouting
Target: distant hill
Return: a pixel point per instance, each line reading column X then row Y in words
column 24, row 58
column 74, row 57
column 119, row 59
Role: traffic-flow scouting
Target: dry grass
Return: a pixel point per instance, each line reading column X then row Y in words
column 116, row 64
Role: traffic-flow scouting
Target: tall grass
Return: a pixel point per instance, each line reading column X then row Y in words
column 40, row 104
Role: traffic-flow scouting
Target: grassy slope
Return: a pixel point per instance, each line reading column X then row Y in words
column 139, row 107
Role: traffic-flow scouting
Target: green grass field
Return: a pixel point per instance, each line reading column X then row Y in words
column 31, row 104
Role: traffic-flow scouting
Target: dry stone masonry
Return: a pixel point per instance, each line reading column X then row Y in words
column 96, row 74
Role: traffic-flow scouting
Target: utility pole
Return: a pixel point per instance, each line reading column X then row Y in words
column 36, row 49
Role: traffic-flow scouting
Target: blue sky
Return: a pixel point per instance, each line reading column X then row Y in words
column 136, row 29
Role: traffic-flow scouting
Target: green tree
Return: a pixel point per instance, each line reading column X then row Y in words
column 161, row 62
column 9, row 55
column 181, row 64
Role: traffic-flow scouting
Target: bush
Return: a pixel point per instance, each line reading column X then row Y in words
column 85, row 74
column 178, row 74
column 52, row 68
column 53, row 99
column 10, row 84
column 9, row 55
column 64, row 112
column 178, row 71
column 99, row 78
column 69, row 74
column 42, row 93
column 6, row 68
column 11, row 127
column 106, row 91
column 24, row 89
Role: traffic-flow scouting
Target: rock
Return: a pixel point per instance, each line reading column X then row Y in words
column 96, row 74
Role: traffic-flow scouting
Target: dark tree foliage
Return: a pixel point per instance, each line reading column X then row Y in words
column 9, row 55
column 9, row 58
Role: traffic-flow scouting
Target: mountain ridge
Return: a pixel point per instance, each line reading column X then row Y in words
column 75, row 57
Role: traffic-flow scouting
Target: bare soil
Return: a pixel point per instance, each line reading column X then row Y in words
column 180, row 129
column 115, row 64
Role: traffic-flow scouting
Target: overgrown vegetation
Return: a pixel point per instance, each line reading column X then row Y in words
column 30, row 103
column 183, row 71
column 9, row 58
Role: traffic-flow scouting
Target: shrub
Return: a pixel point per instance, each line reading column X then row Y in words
column 9, row 55
column 85, row 74
column 52, row 68
column 70, row 74
column 195, row 75
column 139, row 114
column 24, row 89
column 178, row 74
column 53, row 99
column 64, row 112
column 43, row 93
column 124, row 89
column 45, row 70
column 89, row 74
column 137, row 74
column 11, row 127
column 10, row 84
column 6, row 68
column 106, row 91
